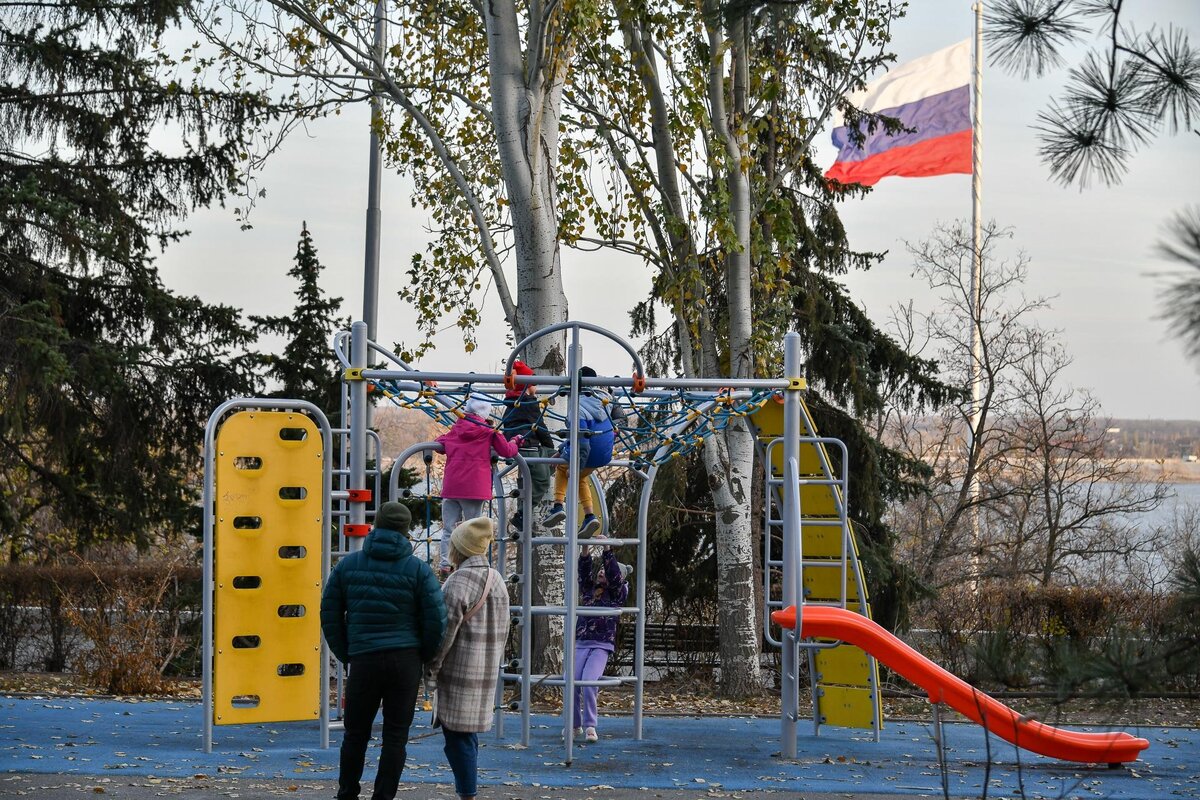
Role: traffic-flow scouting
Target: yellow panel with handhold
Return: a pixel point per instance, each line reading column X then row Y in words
column 812, row 465
column 825, row 583
column 822, row 541
column 843, row 665
column 817, row 501
column 267, row 568
column 847, row 706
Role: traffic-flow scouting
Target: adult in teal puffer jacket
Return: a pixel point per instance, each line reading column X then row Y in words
column 381, row 613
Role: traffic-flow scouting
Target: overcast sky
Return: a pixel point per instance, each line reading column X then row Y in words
column 1091, row 250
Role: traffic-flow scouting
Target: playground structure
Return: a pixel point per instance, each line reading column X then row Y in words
column 809, row 556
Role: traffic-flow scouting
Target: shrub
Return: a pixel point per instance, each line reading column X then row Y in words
column 16, row 623
column 57, row 616
column 1094, row 641
column 132, row 641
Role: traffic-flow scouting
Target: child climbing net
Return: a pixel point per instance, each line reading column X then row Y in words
column 658, row 426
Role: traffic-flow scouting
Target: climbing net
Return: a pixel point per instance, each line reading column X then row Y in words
column 651, row 428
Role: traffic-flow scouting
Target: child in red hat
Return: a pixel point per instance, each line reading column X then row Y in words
column 522, row 415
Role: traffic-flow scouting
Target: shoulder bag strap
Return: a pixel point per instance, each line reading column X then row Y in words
column 487, row 590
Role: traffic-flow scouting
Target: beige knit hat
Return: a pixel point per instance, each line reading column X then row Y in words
column 471, row 538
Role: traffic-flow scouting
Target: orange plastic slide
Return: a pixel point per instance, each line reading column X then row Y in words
column 826, row 622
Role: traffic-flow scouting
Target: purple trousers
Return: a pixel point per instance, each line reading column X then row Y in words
column 590, row 660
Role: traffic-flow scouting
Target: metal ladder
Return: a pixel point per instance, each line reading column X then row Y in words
column 844, row 679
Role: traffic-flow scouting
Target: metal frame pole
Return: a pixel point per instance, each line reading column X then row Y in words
column 207, row 580
column 639, row 643
column 570, row 586
column 358, row 430
column 527, row 612
column 792, row 568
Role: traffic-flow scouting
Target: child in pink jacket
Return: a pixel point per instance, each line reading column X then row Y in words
column 467, row 482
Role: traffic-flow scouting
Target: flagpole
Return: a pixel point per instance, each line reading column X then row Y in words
column 976, row 273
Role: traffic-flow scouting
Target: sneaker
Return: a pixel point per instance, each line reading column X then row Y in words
column 575, row 734
column 516, row 521
column 557, row 514
column 590, row 526
column 590, row 735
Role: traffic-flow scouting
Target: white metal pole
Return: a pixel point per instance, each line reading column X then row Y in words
column 976, row 272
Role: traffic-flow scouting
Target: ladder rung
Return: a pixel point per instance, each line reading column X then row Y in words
column 812, row 522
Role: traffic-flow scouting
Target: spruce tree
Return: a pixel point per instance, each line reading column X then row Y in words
column 306, row 370
column 106, row 377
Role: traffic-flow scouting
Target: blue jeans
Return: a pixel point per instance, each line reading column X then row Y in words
column 389, row 678
column 462, row 751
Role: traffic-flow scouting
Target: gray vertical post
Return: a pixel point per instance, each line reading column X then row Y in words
column 326, row 561
column 207, row 582
column 527, row 614
column 358, row 429
column 639, row 643
column 791, row 544
column 570, row 556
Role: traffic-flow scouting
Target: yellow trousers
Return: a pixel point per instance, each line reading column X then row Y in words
column 585, row 490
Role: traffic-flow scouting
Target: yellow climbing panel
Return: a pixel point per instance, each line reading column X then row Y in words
column 267, row 568
column 845, row 678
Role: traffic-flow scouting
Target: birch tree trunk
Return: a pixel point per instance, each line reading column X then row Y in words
column 729, row 457
column 677, row 231
column 526, row 107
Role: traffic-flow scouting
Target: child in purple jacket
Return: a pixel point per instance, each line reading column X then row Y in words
column 467, row 481
column 596, row 637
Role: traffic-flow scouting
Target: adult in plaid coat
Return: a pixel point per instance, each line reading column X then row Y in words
column 467, row 665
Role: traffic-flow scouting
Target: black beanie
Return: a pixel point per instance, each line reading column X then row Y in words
column 393, row 516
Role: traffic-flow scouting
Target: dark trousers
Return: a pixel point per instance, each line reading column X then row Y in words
column 539, row 475
column 462, row 751
column 389, row 678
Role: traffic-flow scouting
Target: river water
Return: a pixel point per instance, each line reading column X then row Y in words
column 1185, row 494
column 1178, row 520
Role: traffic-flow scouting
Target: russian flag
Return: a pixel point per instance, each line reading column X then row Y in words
column 932, row 95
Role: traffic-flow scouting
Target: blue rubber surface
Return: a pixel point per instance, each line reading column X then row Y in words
column 163, row 739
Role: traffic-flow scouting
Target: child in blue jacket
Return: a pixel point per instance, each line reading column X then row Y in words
column 596, row 439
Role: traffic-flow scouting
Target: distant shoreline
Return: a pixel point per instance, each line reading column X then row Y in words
column 1172, row 470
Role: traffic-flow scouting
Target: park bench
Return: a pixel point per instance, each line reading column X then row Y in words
column 669, row 644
